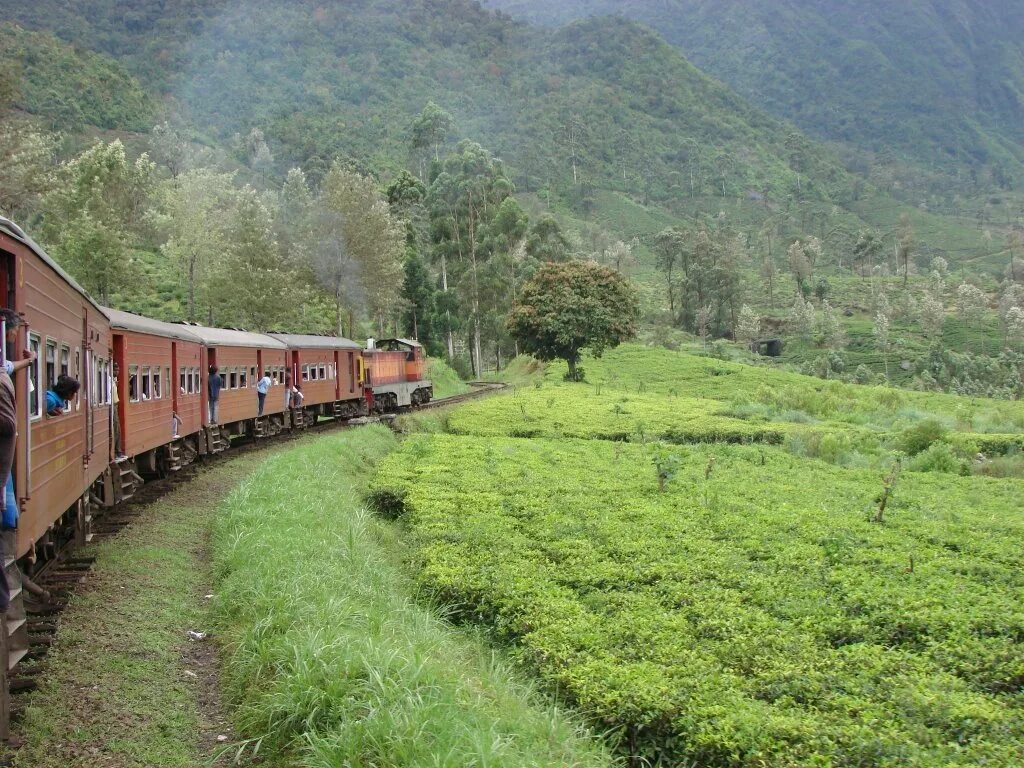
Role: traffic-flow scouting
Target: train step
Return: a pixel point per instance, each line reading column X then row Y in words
column 126, row 480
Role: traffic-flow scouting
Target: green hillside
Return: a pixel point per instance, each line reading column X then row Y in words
column 937, row 82
column 67, row 87
column 348, row 79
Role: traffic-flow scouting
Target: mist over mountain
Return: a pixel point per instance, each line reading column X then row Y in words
column 940, row 82
column 603, row 103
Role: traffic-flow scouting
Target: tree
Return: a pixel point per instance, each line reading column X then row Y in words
column 196, row 208
column 429, row 130
column 933, row 316
column 573, row 137
column 829, row 330
column 881, row 332
column 904, row 245
column 95, row 213
column 464, row 198
column 372, row 243
column 573, row 306
column 546, row 240
column 801, row 268
column 669, row 249
column 1015, row 324
column 26, row 167
column 748, row 325
column 252, row 286
column 704, row 325
column 971, row 303
column 802, row 317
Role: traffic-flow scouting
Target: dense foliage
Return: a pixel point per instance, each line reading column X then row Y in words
column 753, row 613
column 69, row 88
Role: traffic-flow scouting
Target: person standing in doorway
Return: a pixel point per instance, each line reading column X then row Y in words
column 8, row 430
column 214, row 386
column 262, row 387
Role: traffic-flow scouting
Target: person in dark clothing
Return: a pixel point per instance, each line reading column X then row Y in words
column 8, row 427
column 214, row 386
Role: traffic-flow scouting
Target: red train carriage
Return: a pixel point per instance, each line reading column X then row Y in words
column 60, row 457
column 241, row 358
column 159, row 392
column 328, row 370
column 396, row 372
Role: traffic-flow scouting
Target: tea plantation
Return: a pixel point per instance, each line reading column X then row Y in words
column 723, row 604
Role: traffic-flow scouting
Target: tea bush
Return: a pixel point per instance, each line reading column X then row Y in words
column 752, row 615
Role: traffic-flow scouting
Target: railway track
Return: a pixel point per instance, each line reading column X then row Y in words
column 66, row 572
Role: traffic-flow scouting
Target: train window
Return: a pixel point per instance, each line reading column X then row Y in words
column 243, row 380
column 352, row 370
column 158, row 391
column 133, row 383
column 95, row 383
column 181, row 381
column 147, row 382
column 65, row 360
column 35, row 402
column 233, row 378
column 108, row 383
column 78, row 375
column 195, row 381
column 51, row 363
column 305, row 373
column 252, row 374
column 322, row 372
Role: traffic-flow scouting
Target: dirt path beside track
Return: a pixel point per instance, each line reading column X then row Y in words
column 125, row 685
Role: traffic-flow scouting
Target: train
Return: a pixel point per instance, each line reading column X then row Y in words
column 142, row 411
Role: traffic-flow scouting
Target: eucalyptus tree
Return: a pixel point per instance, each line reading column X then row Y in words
column 463, row 200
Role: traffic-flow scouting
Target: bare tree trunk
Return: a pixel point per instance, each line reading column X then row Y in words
column 447, row 312
column 192, row 289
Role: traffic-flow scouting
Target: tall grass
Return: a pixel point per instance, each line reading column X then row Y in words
column 329, row 659
column 444, row 378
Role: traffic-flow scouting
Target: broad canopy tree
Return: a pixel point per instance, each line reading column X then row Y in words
column 573, row 306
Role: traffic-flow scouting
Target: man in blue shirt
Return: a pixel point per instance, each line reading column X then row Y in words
column 58, row 397
column 262, row 387
column 213, row 386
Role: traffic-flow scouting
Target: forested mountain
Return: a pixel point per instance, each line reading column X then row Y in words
column 67, row 87
column 938, row 81
column 600, row 103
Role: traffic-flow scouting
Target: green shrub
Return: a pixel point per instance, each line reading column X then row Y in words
column 920, row 436
column 939, row 457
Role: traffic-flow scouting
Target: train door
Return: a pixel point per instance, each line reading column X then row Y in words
column 122, row 376
column 89, row 390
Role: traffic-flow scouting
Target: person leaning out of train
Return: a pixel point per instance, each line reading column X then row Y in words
column 297, row 396
column 262, row 387
column 59, row 397
column 214, row 385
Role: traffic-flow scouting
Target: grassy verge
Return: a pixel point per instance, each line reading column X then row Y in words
column 330, row 660
column 123, row 681
column 445, row 380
